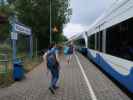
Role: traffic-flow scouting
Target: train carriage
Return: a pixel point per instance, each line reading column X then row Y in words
column 109, row 42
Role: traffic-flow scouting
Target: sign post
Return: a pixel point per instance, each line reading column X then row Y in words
column 16, row 29
column 14, row 39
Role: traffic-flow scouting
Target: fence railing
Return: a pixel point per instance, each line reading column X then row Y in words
column 4, row 64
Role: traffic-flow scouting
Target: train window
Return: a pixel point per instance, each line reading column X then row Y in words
column 91, row 42
column 119, row 40
column 99, row 41
column 80, row 42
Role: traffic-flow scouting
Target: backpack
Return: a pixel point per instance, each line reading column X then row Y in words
column 51, row 59
column 70, row 51
column 66, row 49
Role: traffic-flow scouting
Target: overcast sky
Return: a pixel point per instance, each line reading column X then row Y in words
column 85, row 12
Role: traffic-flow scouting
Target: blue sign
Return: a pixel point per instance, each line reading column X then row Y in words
column 21, row 29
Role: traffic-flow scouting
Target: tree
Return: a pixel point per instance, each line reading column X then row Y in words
column 4, row 23
column 35, row 13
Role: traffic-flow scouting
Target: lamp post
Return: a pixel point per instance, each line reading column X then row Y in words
column 50, row 24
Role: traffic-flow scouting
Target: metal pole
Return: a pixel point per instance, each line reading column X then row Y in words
column 14, row 49
column 36, row 47
column 50, row 24
column 14, row 42
column 31, row 47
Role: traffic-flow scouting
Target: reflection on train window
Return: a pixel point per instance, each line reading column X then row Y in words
column 80, row 42
column 99, row 41
column 91, row 42
column 120, row 40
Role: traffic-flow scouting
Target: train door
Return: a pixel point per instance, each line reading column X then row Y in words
column 104, row 41
column 120, row 41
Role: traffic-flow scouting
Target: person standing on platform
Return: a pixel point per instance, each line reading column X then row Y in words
column 70, row 52
column 66, row 55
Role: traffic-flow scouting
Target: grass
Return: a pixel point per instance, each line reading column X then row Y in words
column 7, row 79
column 30, row 64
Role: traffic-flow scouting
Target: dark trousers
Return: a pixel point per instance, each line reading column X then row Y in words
column 55, row 75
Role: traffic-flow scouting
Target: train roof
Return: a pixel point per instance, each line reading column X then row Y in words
column 118, row 12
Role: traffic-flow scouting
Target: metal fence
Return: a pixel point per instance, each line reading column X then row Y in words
column 3, row 64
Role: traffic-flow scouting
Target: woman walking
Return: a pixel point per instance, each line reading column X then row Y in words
column 52, row 63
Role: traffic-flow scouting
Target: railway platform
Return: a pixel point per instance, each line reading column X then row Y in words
column 80, row 80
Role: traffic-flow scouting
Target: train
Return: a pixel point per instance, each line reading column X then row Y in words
column 108, row 42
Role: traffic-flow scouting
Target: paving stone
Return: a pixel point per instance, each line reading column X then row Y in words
column 35, row 86
column 103, row 87
column 72, row 84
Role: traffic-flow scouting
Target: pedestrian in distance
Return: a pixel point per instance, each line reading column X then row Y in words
column 53, row 66
column 66, row 55
column 70, row 52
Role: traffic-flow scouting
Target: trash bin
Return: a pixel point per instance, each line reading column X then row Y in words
column 18, row 70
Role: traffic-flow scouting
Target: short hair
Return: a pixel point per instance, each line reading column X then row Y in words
column 51, row 45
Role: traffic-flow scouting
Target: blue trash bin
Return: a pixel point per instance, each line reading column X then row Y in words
column 18, row 71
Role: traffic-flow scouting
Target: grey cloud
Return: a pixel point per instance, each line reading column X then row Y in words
column 86, row 12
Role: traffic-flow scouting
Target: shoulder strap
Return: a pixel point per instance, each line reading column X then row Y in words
column 51, row 52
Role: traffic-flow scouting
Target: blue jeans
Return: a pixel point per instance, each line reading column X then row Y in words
column 55, row 75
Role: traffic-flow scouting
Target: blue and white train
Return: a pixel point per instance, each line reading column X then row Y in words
column 109, row 42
